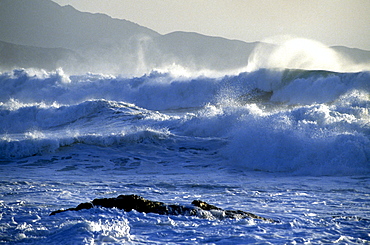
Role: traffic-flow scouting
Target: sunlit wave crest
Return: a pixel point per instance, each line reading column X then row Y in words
column 298, row 53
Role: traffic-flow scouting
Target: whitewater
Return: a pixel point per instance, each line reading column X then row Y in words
column 288, row 144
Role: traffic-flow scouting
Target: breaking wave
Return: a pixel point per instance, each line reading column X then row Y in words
column 292, row 120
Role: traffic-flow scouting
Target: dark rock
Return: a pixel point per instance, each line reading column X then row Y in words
column 128, row 203
column 140, row 204
column 85, row 205
column 81, row 206
column 204, row 205
column 232, row 214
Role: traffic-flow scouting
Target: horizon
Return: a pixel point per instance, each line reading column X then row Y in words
column 333, row 23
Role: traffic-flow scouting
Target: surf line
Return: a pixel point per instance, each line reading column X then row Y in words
column 140, row 204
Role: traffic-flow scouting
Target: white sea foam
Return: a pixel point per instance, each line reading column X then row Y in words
column 306, row 122
column 284, row 52
column 162, row 91
column 315, row 139
column 287, row 144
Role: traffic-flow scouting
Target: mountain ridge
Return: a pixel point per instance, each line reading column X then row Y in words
column 13, row 56
column 44, row 23
column 47, row 35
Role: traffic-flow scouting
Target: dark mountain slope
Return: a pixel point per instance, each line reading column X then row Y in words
column 43, row 34
column 43, row 23
column 15, row 56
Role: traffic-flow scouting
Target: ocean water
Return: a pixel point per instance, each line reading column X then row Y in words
column 288, row 144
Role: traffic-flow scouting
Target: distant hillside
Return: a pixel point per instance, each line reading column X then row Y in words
column 354, row 54
column 106, row 44
column 200, row 51
column 43, row 34
column 112, row 45
column 15, row 56
column 43, row 23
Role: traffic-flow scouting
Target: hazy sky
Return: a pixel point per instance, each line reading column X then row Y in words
column 333, row 22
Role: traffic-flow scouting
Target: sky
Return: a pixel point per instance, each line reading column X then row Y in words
column 331, row 22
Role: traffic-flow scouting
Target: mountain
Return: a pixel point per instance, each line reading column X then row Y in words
column 112, row 45
column 354, row 54
column 14, row 56
column 43, row 34
column 203, row 52
column 107, row 44
column 43, row 23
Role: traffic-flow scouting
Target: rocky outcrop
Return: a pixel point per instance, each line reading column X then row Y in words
column 140, row 204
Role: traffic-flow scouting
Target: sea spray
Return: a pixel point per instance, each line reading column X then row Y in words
column 286, row 52
column 298, row 121
column 293, row 145
column 313, row 140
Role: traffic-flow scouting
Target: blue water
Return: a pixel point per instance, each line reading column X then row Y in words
column 291, row 145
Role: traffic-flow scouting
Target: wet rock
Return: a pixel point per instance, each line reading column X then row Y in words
column 231, row 214
column 140, row 204
column 86, row 205
column 204, row 205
